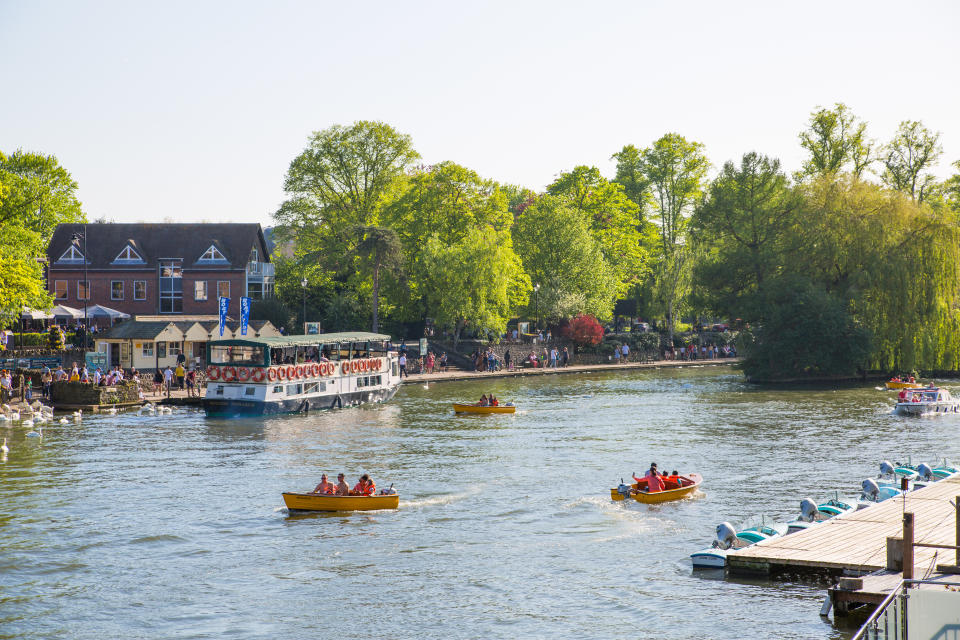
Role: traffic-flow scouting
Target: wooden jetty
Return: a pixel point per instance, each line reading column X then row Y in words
column 856, row 543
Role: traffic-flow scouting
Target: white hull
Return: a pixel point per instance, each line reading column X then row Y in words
column 927, row 408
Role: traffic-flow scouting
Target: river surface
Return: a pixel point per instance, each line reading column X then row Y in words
column 139, row 526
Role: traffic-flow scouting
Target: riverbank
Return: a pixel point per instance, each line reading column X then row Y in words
column 452, row 376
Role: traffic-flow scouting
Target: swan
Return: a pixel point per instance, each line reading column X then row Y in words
column 64, row 421
column 3, row 417
column 14, row 415
column 27, row 423
column 4, row 449
column 78, row 413
column 35, row 434
column 112, row 411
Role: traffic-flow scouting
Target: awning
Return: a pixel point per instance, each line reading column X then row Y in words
column 35, row 314
column 100, row 311
column 63, row 311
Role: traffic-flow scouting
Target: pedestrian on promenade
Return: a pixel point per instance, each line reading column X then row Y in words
column 553, row 357
column 191, row 382
column 168, row 378
column 506, row 360
column 566, row 357
column 626, row 352
column 157, row 381
column 46, row 379
column 403, row 364
column 443, row 362
column 616, row 354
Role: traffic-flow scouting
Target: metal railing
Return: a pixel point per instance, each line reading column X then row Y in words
column 889, row 620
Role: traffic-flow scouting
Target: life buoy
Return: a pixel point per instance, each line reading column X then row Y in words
column 363, row 366
column 243, row 374
column 354, row 366
column 300, row 371
column 315, row 369
column 271, row 374
column 376, row 364
column 281, row 373
column 213, row 373
column 229, row 374
column 258, row 375
column 291, row 372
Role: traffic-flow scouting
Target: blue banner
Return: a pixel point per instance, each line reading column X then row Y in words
column 224, row 307
column 244, row 314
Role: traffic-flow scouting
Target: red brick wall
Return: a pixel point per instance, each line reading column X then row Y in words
column 100, row 290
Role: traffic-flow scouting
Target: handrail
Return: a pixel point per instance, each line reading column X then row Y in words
column 896, row 592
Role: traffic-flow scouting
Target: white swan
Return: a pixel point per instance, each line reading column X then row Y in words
column 64, row 421
column 112, row 411
column 78, row 413
column 3, row 417
column 27, row 423
column 35, row 434
column 4, row 449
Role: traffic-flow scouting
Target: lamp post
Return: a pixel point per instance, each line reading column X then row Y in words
column 303, row 283
column 536, row 289
column 86, row 280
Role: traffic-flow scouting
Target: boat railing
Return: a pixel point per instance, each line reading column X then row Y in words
column 889, row 620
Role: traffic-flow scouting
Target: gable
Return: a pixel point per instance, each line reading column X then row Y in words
column 72, row 254
column 212, row 254
column 129, row 255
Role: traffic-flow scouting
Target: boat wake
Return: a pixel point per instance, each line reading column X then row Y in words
column 439, row 500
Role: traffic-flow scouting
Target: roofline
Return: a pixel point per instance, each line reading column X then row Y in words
column 305, row 341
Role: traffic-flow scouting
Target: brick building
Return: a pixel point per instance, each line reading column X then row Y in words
column 159, row 269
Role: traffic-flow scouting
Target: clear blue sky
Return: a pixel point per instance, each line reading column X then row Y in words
column 193, row 110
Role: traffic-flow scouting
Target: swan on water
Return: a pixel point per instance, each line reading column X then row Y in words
column 35, row 434
column 4, row 449
column 64, row 421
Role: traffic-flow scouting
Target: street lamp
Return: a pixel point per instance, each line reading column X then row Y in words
column 536, row 289
column 74, row 239
column 303, row 283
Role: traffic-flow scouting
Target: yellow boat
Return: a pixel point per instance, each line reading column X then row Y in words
column 320, row 502
column 475, row 408
column 903, row 385
column 676, row 487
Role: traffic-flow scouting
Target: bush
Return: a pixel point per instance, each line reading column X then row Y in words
column 584, row 331
column 55, row 338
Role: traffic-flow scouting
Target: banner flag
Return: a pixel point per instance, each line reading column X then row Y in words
column 224, row 306
column 244, row 314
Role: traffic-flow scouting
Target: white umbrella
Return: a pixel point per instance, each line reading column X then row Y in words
column 63, row 311
column 100, row 311
column 35, row 314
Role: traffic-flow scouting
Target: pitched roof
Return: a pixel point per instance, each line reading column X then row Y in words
column 153, row 242
column 133, row 330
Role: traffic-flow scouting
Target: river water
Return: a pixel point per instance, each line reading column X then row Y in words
column 173, row 526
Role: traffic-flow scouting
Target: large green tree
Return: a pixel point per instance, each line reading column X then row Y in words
column 836, row 141
column 908, row 158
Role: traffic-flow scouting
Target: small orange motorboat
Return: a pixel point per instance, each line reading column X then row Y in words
column 674, row 488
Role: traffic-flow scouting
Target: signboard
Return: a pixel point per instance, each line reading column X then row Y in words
column 30, row 363
column 311, row 328
column 95, row 359
column 423, row 346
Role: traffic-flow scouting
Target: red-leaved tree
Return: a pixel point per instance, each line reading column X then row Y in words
column 584, row 331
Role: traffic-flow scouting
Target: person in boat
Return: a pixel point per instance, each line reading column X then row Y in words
column 343, row 489
column 483, row 401
column 494, row 402
column 325, row 487
column 365, row 487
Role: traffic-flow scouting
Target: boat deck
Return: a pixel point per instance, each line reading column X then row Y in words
column 856, row 542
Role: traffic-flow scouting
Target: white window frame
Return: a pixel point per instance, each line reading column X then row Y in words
column 66, row 290
column 75, row 255
column 220, row 282
column 122, row 287
column 128, row 260
column 147, row 350
column 215, row 255
column 144, row 283
column 206, row 290
column 80, row 282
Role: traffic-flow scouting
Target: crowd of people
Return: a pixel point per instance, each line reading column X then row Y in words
column 703, row 352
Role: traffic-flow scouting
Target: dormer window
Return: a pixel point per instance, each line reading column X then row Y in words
column 128, row 255
column 71, row 255
column 212, row 254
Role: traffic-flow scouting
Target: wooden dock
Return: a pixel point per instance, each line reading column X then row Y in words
column 856, row 542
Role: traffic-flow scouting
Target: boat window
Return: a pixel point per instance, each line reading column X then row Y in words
column 250, row 391
column 311, row 387
column 219, row 390
column 294, row 389
column 278, row 388
column 330, row 352
column 237, row 355
column 394, row 368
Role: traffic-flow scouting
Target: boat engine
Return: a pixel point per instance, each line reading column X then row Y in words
column 871, row 490
column 925, row 472
column 726, row 535
column 623, row 489
column 808, row 510
column 886, row 469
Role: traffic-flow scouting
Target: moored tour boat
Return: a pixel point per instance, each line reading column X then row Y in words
column 476, row 408
column 321, row 502
column 676, row 487
column 299, row 373
column 928, row 401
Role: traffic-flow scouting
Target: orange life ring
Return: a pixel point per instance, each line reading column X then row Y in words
column 354, row 366
column 300, row 371
column 271, row 374
column 375, row 364
column 243, row 374
column 213, row 373
column 291, row 372
column 362, row 365
column 258, row 375
column 229, row 374
column 315, row 369
column 281, row 373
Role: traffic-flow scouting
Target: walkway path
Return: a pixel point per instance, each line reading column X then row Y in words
column 585, row 368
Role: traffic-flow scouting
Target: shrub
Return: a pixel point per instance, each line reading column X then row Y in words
column 584, row 331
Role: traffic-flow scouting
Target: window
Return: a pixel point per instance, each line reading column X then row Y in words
column 147, row 349
column 255, row 290
column 219, row 389
column 60, row 290
column 173, row 348
column 71, row 255
column 212, row 254
column 250, row 391
column 200, row 290
column 237, row 355
column 223, row 288
column 278, row 388
column 161, row 349
column 171, row 286
column 294, row 389
column 116, row 289
column 139, row 289
column 128, row 255
column 83, row 289
column 311, row 387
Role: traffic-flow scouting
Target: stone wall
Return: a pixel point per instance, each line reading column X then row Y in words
column 80, row 393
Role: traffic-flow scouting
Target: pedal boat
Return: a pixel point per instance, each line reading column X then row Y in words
column 475, row 408
column 675, row 488
column 729, row 539
column 320, row 502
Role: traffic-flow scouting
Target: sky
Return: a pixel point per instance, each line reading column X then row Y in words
column 192, row 111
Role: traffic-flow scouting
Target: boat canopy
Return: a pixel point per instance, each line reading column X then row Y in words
column 295, row 349
column 305, row 341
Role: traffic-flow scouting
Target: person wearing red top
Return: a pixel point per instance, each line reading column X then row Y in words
column 366, row 487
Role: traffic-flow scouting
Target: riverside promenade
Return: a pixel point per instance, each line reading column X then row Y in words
column 456, row 374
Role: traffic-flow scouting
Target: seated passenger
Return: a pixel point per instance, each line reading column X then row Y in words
column 483, row 400
column 654, row 484
column 325, row 487
column 343, row 489
column 365, row 487
column 494, row 402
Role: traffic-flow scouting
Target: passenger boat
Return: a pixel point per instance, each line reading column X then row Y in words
column 729, row 539
column 476, row 408
column 320, row 502
column 290, row 374
column 675, row 488
column 928, row 401
column 903, row 384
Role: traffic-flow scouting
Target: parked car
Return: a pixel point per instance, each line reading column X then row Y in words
column 642, row 327
column 721, row 327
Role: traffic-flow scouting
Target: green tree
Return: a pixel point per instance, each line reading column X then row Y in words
column 475, row 284
column 561, row 255
column 908, row 157
column 381, row 250
column 676, row 169
column 631, row 175
column 836, row 140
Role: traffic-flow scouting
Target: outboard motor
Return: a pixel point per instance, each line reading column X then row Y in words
column 623, row 489
column 871, row 490
column 808, row 510
column 925, row 472
column 726, row 535
column 886, row 469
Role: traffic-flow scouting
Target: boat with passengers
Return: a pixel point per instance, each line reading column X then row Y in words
column 288, row 374
column 927, row 401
